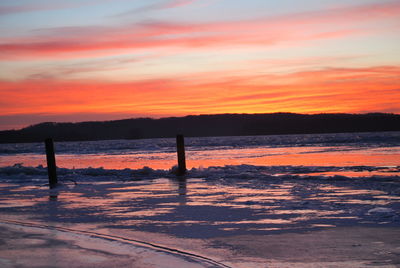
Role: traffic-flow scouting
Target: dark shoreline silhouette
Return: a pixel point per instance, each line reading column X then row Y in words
column 205, row 125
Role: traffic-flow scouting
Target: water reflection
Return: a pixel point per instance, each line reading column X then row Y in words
column 188, row 206
column 182, row 190
column 263, row 156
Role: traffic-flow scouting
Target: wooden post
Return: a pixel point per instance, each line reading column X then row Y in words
column 51, row 163
column 180, row 148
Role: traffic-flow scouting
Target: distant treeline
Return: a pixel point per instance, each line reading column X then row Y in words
column 205, row 125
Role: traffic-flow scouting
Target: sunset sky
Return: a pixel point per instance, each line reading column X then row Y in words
column 111, row 59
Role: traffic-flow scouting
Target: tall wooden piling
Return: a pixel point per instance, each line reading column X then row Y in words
column 180, row 148
column 51, row 163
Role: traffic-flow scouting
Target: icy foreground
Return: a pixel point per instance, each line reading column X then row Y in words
column 231, row 216
column 32, row 245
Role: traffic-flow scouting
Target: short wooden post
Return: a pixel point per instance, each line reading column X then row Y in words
column 180, row 147
column 51, row 163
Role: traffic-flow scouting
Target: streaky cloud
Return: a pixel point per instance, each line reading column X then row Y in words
column 157, row 6
column 324, row 90
column 13, row 9
column 294, row 28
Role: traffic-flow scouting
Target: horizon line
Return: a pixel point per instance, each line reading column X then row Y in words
column 193, row 115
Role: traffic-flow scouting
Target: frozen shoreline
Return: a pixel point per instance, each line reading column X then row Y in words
column 245, row 198
column 242, row 216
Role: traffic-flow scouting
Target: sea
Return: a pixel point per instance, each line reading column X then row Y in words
column 234, row 187
column 348, row 154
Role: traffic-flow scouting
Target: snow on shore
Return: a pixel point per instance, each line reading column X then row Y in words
column 229, row 204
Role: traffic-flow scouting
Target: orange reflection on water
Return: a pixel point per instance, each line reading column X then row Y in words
column 303, row 156
column 291, row 156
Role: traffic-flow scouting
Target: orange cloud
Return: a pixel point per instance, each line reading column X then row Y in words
column 329, row 90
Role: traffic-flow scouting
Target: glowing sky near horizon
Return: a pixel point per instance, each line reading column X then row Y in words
column 100, row 59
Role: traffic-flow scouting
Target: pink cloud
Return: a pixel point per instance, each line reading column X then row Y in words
column 294, row 28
